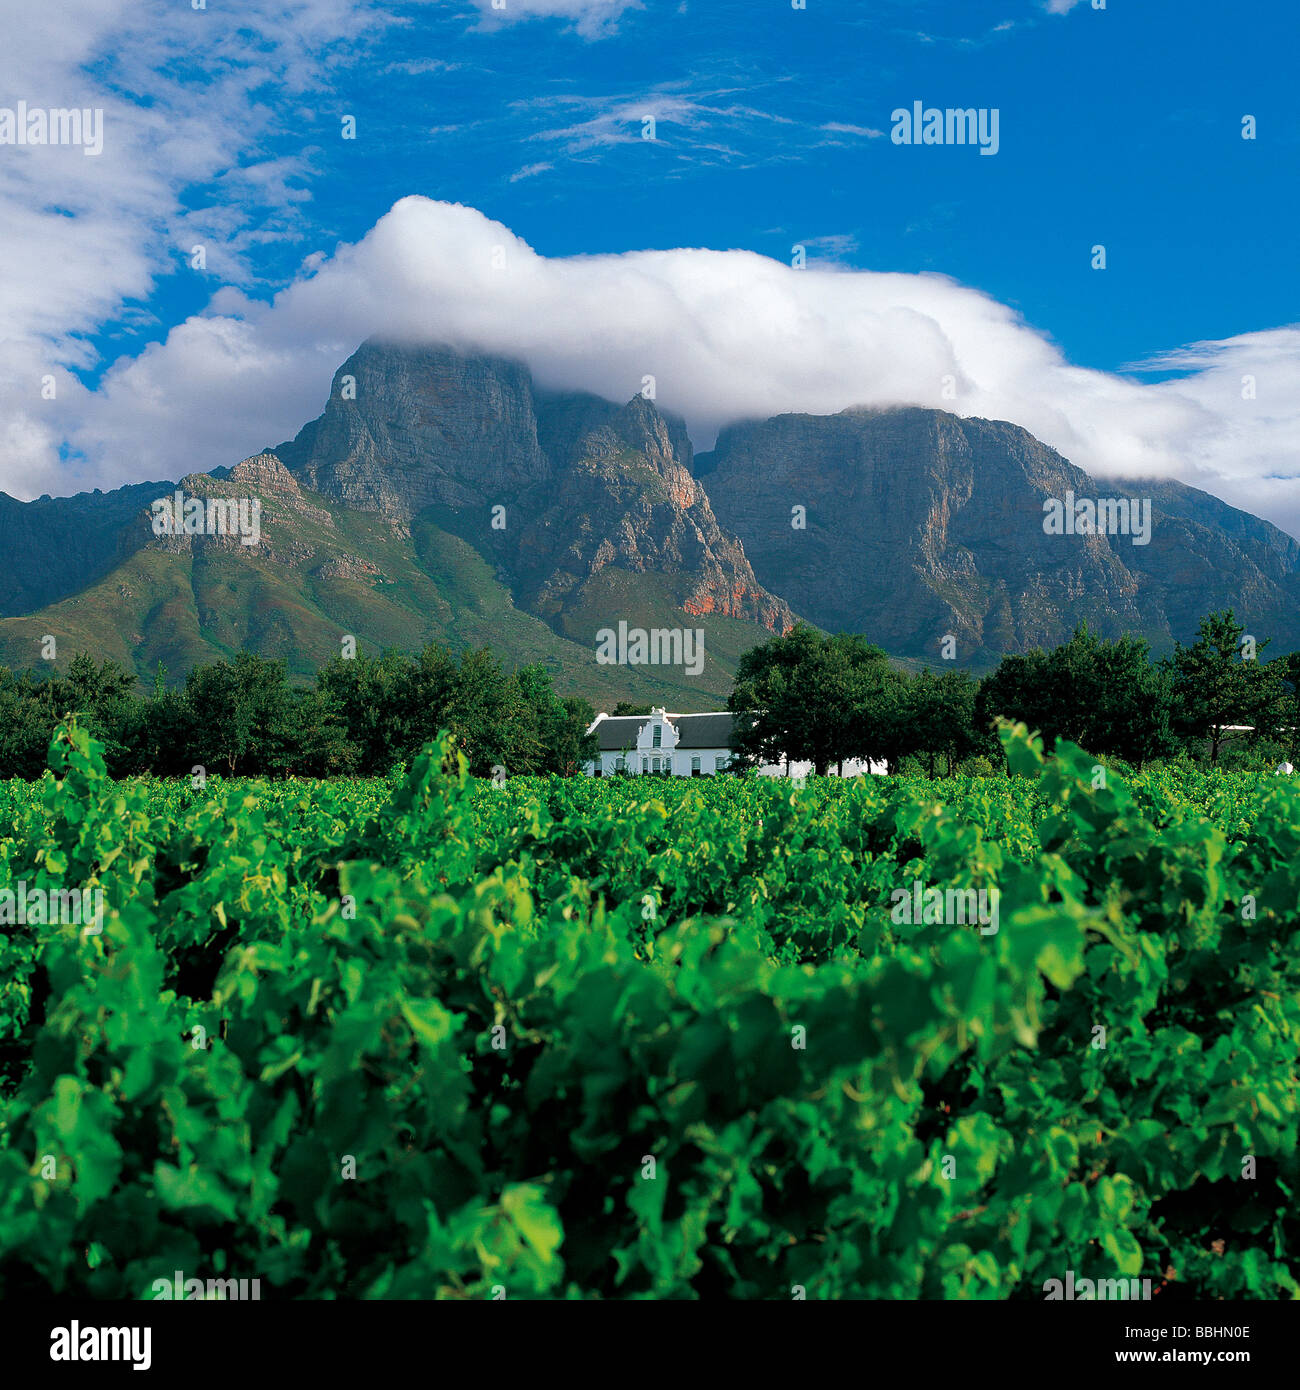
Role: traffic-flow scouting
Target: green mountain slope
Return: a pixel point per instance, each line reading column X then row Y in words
column 322, row 571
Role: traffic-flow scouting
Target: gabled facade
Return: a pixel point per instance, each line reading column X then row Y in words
column 682, row 745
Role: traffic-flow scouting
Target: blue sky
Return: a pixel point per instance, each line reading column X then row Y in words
column 1119, row 126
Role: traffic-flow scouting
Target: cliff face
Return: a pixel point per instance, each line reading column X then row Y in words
column 624, row 496
column 920, row 524
column 405, row 429
column 559, row 491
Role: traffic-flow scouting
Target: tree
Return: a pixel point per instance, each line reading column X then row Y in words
column 480, row 710
column 25, row 726
column 567, row 742
column 937, row 714
column 240, row 714
column 1106, row 696
column 809, row 697
column 321, row 747
column 546, row 734
column 1287, row 669
column 378, row 704
column 1219, row 681
column 102, row 696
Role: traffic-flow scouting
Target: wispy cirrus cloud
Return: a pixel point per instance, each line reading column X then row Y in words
column 593, row 19
column 530, row 171
column 835, row 248
column 840, row 128
column 692, row 125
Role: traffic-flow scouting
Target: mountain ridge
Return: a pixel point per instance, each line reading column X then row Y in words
column 442, row 495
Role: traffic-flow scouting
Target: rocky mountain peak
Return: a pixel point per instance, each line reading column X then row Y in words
column 581, row 486
column 917, row 524
column 409, row 427
column 266, row 473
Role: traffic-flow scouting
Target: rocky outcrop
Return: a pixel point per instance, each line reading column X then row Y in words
column 260, row 508
column 625, row 497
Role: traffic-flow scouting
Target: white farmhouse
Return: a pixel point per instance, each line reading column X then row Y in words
column 684, row 745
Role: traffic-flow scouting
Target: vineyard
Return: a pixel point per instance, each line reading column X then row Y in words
column 427, row 1036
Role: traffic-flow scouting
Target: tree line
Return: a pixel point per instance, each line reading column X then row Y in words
column 359, row 716
column 828, row 699
column 805, row 695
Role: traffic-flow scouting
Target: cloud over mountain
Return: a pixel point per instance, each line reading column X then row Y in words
column 726, row 335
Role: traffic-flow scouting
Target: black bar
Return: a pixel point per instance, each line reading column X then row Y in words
column 224, row 1341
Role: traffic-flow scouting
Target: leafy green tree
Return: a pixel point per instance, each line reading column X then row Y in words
column 1219, row 682
column 163, row 746
column 480, row 709
column 1287, row 669
column 25, row 726
column 320, row 743
column 877, row 695
column 376, row 701
column 809, row 697
column 546, row 734
column 1105, row 695
column 570, row 744
column 102, row 696
column 434, row 694
column 937, row 714
column 240, row 714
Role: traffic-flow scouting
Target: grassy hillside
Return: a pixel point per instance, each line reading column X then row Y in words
column 323, row 571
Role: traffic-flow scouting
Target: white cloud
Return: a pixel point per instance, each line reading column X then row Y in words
column 593, row 19
column 1060, row 6
column 728, row 335
column 81, row 237
column 833, row 248
column 839, row 128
